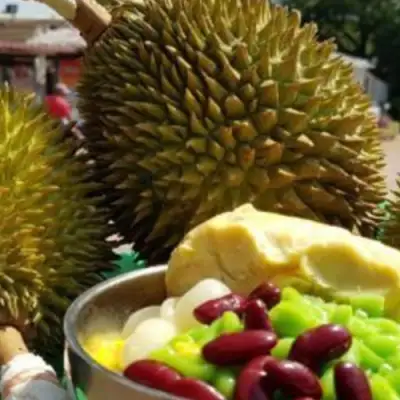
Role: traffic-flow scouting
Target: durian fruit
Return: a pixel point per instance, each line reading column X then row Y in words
column 53, row 233
column 193, row 107
column 390, row 228
column 246, row 246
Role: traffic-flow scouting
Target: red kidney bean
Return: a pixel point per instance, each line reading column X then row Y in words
column 152, row 374
column 194, row 389
column 256, row 317
column 240, row 347
column 249, row 383
column 292, row 379
column 269, row 293
column 304, row 398
column 211, row 310
column 351, row 383
column 316, row 347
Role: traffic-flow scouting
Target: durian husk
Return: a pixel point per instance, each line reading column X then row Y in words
column 53, row 232
column 194, row 107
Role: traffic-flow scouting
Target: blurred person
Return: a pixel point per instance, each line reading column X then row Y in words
column 25, row 375
column 57, row 104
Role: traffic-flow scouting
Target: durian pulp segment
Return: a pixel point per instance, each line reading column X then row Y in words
column 245, row 247
column 194, row 107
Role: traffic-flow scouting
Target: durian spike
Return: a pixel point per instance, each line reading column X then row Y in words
column 88, row 16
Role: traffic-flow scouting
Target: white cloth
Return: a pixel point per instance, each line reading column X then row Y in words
column 28, row 377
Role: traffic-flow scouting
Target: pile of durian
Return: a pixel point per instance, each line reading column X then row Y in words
column 191, row 108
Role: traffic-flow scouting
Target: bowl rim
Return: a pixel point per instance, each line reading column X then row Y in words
column 72, row 341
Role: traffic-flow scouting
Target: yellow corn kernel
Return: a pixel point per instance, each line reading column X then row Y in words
column 106, row 351
column 187, row 348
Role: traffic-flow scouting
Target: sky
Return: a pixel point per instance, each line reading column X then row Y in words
column 29, row 9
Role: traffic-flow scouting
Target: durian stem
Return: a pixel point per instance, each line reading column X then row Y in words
column 88, row 16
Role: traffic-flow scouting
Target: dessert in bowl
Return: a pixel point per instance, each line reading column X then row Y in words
column 252, row 305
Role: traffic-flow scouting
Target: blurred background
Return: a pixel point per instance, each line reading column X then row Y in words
column 41, row 52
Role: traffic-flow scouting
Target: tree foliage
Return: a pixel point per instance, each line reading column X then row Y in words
column 363, row 28
column 354, row 23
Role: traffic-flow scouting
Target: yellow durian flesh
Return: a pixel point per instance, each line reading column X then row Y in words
column 246, row 247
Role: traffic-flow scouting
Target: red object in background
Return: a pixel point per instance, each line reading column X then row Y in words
column 70, row 71
column 58, row 107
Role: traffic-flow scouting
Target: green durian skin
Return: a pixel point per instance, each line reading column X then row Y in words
column 53, row 232
column 389, row 232
column 194, row 107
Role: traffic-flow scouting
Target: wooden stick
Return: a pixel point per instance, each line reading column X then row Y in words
column 91, row 19
column 88, row 16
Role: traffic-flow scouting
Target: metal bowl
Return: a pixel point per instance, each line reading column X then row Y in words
column 104, row 308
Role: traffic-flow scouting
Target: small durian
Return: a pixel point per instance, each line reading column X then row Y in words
column 53, row 234
column 194, row 107
column 390, row 228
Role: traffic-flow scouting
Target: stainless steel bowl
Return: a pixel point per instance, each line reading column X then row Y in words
column 104, row 308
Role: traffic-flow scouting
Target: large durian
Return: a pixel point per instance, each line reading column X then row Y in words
column 193, row 107
column 52, row 232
